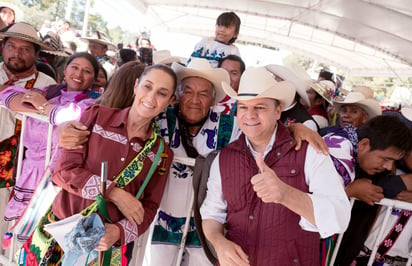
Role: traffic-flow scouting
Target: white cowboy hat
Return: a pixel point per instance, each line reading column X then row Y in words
column 257, row 82
column 371, row 106
column 407, row 112
column 99, row 37
column 165, row 57
column 294, row 74
column 53, row 41
column 25, row 32
column 324, row 88
column 200, row 67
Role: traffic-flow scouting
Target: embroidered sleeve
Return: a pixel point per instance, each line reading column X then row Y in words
column 92, row 187
column 130, row 231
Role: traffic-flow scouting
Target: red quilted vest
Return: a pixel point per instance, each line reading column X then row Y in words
column 269, row 233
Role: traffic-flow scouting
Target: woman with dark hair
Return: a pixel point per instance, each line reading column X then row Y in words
column 127, row 140
column 101, row 80
column 119, row 91
column 68, row 103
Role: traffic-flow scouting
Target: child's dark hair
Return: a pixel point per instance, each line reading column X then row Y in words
column 229, row 18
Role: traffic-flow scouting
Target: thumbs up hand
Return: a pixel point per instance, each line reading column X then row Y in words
column 266, row 184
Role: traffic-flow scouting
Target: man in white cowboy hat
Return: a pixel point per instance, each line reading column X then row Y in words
column 20, row 49
column 98, row 47
column 295, row 112
column 355, row 109
column 276, row 202
column 194, row 127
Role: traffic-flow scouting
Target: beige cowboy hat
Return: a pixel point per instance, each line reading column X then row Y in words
column 200, row 67
column 370, row 106
column 324, row 88
column 366, row 91
column 257, row 82
column 24, row 31
column 165, row 57
column 53, row 41
column 294, row 74
column 99, row 37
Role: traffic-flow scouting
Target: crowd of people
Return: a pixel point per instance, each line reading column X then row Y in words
column 278, row 154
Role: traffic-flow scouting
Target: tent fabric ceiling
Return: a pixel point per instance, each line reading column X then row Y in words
column 361, row 37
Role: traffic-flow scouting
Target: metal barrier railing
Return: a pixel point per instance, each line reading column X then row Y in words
column 8, row 260
column 391, row 204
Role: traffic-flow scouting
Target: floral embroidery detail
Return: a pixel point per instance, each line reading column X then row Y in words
column 398, row 228
column 130, row 231
column 388, row 242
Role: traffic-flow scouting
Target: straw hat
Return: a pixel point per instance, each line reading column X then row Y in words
column 200, row 67
column 101, row 38
column 165, row 57
column 25, row 32
column 294, row 74
column 53, row 41
column 371, row 106
column 257, row 82
column 324, row 88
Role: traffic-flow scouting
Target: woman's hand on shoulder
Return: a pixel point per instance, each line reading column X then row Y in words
column 301, row 133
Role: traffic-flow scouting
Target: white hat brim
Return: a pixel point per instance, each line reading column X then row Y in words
column 371, row 106
column 288, row 75
column 215, row 75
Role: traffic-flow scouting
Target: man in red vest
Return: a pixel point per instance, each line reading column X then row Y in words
column 276, row 202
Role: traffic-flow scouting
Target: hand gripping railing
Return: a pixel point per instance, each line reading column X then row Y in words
column 23, row 117
column 390, row 203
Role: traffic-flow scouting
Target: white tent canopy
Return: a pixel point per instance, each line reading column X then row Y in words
column 365, row 38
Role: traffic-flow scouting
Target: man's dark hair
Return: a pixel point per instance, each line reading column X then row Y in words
column 386, row 131
column 229, row 18
column 236, row 58
column 326, row 75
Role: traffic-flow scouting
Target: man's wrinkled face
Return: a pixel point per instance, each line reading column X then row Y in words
column 18, row 55
column 196, row 99
column 351, row 114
